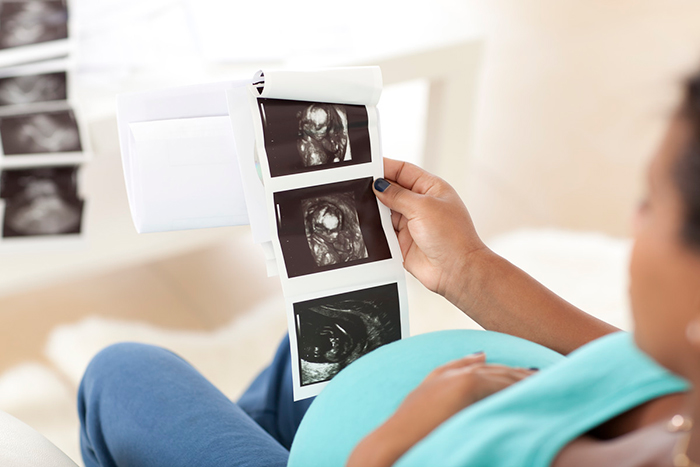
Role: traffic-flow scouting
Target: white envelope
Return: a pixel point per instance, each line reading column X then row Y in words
column 185, row 175
column 179, row 158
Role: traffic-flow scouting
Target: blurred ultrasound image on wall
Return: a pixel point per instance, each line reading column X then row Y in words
column 27, row 22
column 334, row 331
column 41, row 201
column 330, row 226
column 39, row 198
column 40, row 133
column 305, row 136
column 30, row 89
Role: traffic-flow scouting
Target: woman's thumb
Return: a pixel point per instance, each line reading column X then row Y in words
column 396, row 197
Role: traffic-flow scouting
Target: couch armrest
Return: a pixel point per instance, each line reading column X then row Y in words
column 22, row 446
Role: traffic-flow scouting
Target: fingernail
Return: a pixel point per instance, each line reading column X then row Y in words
column 534, row 369
column 380, row 185
column 480, row 352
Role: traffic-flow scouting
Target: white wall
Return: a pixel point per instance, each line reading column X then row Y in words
column 574, row 98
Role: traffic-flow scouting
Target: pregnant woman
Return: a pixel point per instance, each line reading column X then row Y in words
column 614, row 400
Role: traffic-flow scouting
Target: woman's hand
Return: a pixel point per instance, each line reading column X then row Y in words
column 434, row 228
column 442, row 250
column 444, row 392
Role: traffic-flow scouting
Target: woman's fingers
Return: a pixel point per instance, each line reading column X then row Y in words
column 480, row 357
column 494, row 368
column 405, row 242
column 515, row 374
column 464, row 362
column 397, row 198
column 408, row 175
column 467, row 360
column 396, row 219
column 476, row 363
column 489, row 378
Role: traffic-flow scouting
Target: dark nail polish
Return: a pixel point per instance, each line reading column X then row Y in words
column 534, row 369
column 380, row 185
column 480, row 352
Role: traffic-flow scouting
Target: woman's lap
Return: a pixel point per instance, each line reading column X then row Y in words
column 143, row 405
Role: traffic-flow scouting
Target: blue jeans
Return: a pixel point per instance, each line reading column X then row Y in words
column 141, row 405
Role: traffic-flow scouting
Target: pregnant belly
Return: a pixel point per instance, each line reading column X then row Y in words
column 368, row 391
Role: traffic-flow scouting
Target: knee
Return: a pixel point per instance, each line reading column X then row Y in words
column 119, row 357
column 121, row 363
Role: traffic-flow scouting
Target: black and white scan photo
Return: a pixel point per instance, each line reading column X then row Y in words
column 334, row 331
column 330, row 226
column 40, row 133
column 29, row 89
column 26, row 22
column 41, row 201
column 333, row 229
column 304, row 136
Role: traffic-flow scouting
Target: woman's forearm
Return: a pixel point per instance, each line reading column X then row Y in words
column 442, row 249
column 502, row 297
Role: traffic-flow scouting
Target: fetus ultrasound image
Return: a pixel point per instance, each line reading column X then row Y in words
column 333, row 229
column 323, row 135
column 45, row 132
column 304, row 136
column 33, row 88
column 330, row 226
column 25, row 22
column 334, row 331
column 41, row 201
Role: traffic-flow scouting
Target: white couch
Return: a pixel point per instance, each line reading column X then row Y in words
column 22, row 446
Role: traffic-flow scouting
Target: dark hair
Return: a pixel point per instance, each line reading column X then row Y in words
column 688, row 166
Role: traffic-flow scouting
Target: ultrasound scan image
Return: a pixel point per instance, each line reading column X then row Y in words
column 333, row 229
column 42, row 201
column 46, row 132
column 33, row 88
column 323, row 135
column 306, row 136
column 331, row 226
column 25, row 22
column 333, row 332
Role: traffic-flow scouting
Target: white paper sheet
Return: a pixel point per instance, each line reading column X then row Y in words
column 35, row 52
column 369, row 285
column 186, row 175
column 241, row 120
column 203, row 164
column 343, row 85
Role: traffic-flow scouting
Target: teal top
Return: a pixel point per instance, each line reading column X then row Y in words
column 526, row 424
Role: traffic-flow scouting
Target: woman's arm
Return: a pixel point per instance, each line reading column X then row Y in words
column 502, row 297
column 442, row 249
